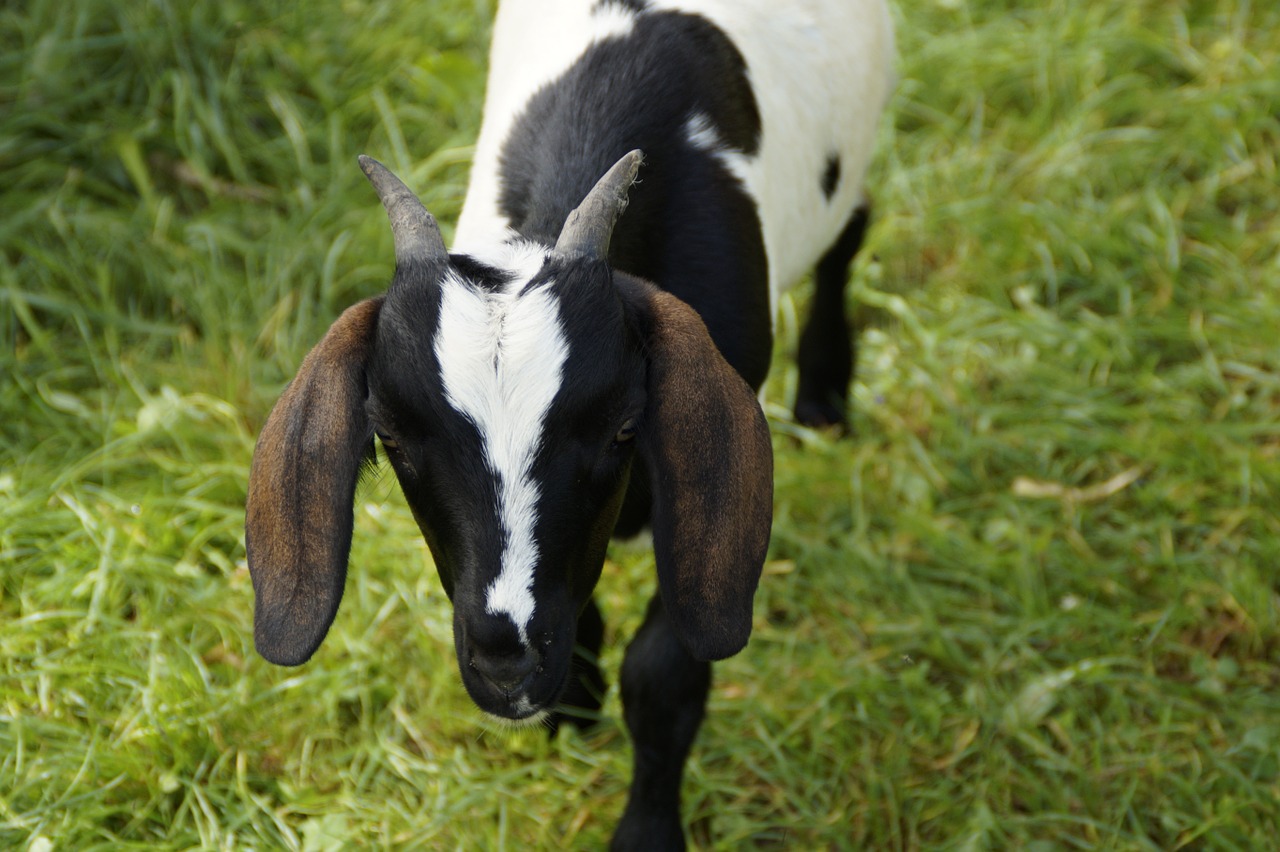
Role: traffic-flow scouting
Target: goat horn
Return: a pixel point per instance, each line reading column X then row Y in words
column 590, row 226
column 416, row 234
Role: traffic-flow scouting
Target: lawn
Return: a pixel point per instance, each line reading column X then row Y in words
column 1033, row 602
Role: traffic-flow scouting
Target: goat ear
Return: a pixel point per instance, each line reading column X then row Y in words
column 706, row 444
column 302, row 484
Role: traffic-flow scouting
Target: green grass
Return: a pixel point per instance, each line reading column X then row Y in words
column 1034, row 602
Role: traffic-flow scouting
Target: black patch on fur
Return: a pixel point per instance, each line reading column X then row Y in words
column 440, row 461
column 633, row 5
column 483, row 276
column 831, row 176
column 690, row 226
column 602, row 386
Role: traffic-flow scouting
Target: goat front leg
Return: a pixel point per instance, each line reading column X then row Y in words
column 664, row 697
column 580, row 703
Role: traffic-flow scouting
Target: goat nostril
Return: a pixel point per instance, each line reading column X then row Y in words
column 507, row 672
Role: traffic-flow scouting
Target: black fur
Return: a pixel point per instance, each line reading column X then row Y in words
column 633, row 5
column 664, row 696
column 584, row 694
column 689, row 226
column 830, row 176
column 827, row 346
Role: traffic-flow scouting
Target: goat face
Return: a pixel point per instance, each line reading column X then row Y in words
column 509, row 391
column 507, row 397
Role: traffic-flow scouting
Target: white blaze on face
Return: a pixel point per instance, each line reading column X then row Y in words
column 501, row 355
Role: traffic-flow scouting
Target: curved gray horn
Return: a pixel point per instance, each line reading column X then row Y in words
column 590, row 226
column 416, row 234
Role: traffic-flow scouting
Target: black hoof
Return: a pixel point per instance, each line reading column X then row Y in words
column 821, row 415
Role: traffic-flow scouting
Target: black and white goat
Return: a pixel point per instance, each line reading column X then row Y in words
column 569, row 373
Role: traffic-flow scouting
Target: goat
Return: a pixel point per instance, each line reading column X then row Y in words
column 570, row 373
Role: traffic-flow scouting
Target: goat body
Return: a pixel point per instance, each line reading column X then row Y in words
column 569, row 373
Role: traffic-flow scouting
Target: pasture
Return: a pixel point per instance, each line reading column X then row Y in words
column 1033, row 602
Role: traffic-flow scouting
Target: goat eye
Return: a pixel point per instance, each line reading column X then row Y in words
column 388, row 443
column 627, row 432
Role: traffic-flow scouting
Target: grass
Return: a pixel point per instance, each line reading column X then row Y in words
column 1032, row 604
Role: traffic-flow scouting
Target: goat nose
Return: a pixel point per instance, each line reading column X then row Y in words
column 505, row 671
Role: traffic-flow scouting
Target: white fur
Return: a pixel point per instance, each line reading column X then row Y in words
column 501, row 355
column 702, row 133
column 821, row 71
column 529, row 718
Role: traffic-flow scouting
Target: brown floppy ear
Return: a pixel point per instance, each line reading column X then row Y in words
column 302, row 485
column 706, row 444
